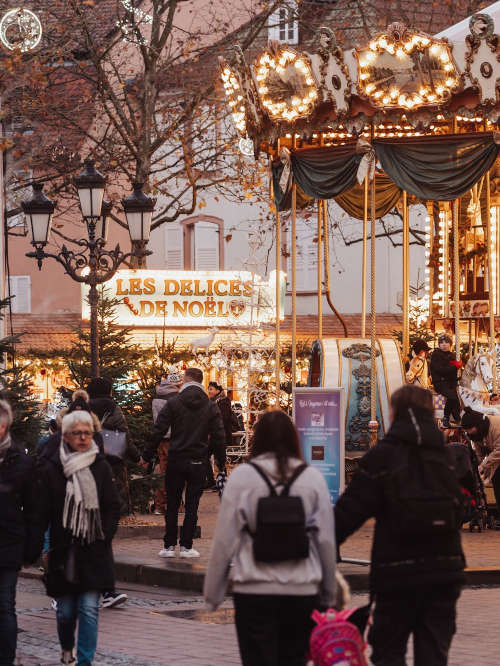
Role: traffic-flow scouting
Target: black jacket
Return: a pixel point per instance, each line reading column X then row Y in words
column 224, row 405
column 94, row 561
column 17, row 509
column 441, row 370
column 398, row 560
column 194, row 419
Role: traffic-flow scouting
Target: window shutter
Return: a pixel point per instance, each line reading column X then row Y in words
column 174, row 247
column 307, row 256
column 20, row 290
column 206, row 246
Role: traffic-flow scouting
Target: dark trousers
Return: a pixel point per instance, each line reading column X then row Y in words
column 179, row 474
column 452, row 404
column 426, row 612
column 8, row 620
column 495, row 482
column 273, row 630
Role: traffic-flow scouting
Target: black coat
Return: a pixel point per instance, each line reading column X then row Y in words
column 398, row 560
column 442, row 371
column 18, row 516
column 194, row 419
column 94, row 561
column 224, row 405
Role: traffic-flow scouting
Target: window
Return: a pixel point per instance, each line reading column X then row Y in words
column 307, row 255
column 203, row 243
column 174, row 246
column 283, row 25
column 20, row 290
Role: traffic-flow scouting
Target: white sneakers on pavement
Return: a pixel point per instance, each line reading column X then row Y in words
column 167, row 552
column 188, row 552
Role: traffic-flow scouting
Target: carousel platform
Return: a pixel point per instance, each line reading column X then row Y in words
column 137, row 561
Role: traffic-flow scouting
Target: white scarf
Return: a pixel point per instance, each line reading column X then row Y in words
column 81, row 512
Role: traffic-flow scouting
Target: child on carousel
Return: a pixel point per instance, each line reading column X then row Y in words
column 417, row 372
column 444, row 372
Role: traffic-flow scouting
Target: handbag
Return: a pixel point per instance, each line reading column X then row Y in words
column 114, row 441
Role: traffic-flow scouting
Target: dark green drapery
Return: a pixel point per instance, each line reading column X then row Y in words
column 439, row 167
column 386, row 197
column 435, row 168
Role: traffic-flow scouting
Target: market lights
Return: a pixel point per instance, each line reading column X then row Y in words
column 234, row 97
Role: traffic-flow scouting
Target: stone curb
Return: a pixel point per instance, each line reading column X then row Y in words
column 189, row 577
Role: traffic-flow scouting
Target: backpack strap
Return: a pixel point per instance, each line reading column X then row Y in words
column 265, row 477
column 297, row 472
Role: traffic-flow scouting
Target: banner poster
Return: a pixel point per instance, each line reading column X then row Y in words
column 319, row 415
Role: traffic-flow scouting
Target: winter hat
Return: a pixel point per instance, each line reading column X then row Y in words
column 472, row 419
column 80, row 393
column 420, row 346
column 444, row 337
column 99, row 387
column 79, row 403
column 173, row 378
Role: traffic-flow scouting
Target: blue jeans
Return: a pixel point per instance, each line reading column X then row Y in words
column 8, row 620
column 84, row 608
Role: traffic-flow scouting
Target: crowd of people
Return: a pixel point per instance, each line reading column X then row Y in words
column 276, row 531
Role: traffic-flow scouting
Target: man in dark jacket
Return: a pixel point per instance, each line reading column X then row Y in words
column 416, row 575
column 17, row 529
column 194, row 420
column 444, row 372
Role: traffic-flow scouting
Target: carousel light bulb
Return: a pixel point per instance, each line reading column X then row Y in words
column 373, row 46
column 434, row 50
column 390, row 49
column 386, row 99
column 425, row 41
column 394, row 92
column 382, row 42
column 440, row 91
column 450, row 83
column 400, row 53
column 370, row 88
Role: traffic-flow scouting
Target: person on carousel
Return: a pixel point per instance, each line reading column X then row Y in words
column 417, row 373
column 444, row 372
column 485, row 433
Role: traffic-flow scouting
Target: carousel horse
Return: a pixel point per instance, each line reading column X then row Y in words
column 476, row 383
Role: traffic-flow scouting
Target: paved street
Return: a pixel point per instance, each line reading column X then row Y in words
column 152, row 630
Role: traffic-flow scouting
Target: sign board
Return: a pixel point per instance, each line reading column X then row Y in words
column 192, row 298
column 319, row 415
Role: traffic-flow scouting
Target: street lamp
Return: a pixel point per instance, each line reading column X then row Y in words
column 139, row 210
column 93, row 264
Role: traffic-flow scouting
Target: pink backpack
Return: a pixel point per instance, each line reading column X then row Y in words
column 336, row 641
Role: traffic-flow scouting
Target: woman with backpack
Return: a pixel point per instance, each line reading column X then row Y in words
column 275, row 526
column 408, row 483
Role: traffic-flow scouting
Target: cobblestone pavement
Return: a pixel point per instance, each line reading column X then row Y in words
column 142, row 633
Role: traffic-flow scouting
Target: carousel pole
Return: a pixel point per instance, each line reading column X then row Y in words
column 406, row 277
column 363, row 270
column 491, row 280
column 321, row 205
column 278, row 308
column 373, row 425
column 456, row 278
column 294, row 284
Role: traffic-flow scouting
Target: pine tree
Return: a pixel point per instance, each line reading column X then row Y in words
column 118, row 356
column 15, row 387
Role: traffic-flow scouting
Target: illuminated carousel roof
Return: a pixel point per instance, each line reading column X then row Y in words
column 401, row 83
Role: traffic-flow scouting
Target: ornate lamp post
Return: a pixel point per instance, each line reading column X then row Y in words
column 100, row 264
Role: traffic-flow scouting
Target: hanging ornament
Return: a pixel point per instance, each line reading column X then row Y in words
column 20, row 29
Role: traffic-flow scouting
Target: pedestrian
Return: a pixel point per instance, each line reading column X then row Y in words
column 485, row 433
column 53, row 428
column 444, row 373
column 111, row 417
column 217, row 394
column 17, row 529
column 166, row 389
column 193, row 420
column 273, row 601
column 417, row 372
column 78, row 499
column 417, row 560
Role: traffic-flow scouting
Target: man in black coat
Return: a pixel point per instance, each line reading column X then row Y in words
column 415, row 576
column 194, row 420
column 444, row 371
column 17, row 529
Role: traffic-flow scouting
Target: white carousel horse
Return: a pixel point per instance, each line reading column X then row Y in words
column 476, row 384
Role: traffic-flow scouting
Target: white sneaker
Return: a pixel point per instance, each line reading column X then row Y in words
column 167, row 552
column 188, row 552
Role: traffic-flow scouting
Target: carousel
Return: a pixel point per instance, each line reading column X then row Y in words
column 404, row 119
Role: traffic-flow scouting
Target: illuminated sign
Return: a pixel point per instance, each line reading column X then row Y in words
column 192, row 298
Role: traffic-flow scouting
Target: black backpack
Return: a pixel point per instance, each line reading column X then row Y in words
column 281, row 532
column 423, row 496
